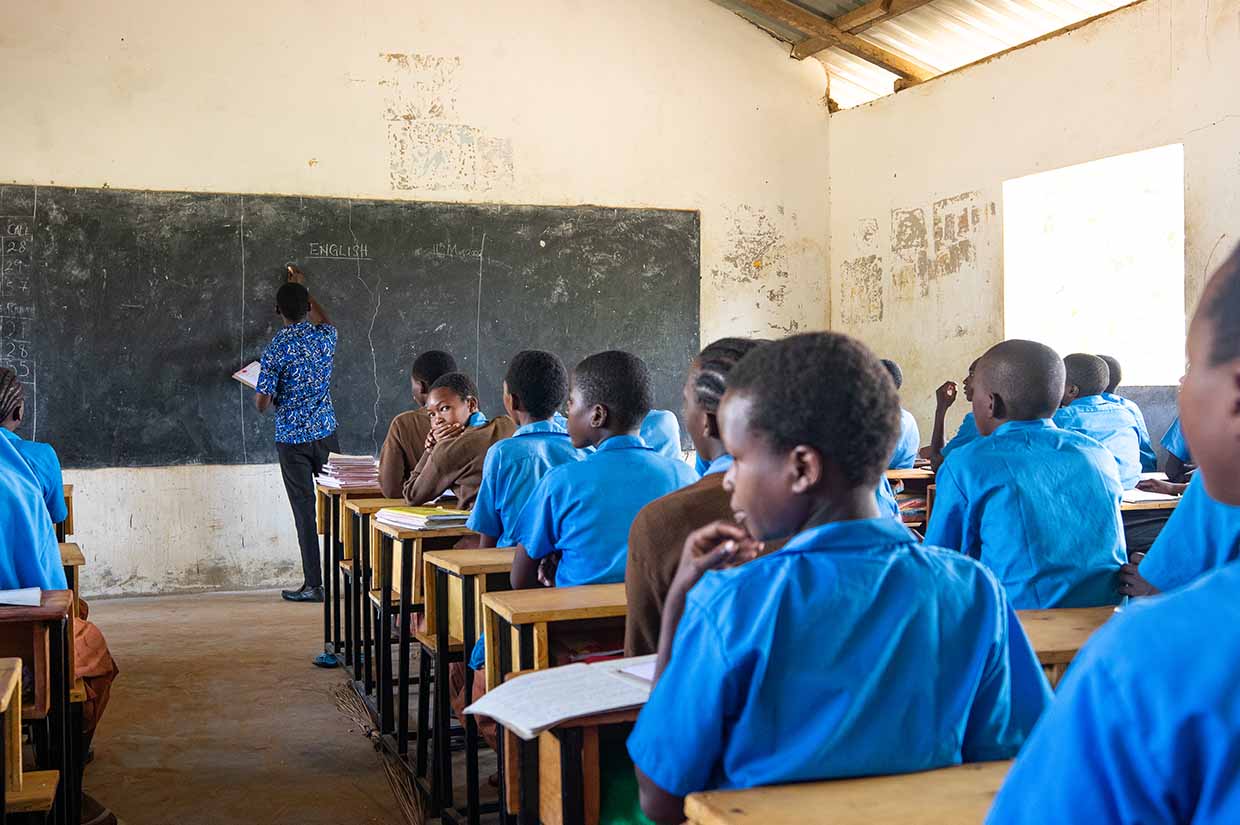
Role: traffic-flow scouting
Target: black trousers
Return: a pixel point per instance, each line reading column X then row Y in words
column 299, row 464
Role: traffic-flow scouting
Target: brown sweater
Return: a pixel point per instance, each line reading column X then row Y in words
column 402, row 449
column 456, row 463
column 656, row 541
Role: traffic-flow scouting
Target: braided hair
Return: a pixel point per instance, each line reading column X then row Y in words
column 12, row 394
column 713, row 365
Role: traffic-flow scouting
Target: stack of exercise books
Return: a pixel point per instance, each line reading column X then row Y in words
column 422, row 518
column 350, row 472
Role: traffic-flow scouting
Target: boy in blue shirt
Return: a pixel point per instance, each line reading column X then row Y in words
column 581, row 512
column 1085, row 411
column 41, row 458
column 1179, row 457
column 1149, row 460
column 854, row 649
column 661, row 432
column 909, row 442
column 1147, row 720
column 944, row 397
column 1036, row 504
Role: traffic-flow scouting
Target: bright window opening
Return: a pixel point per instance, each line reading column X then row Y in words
column 1093, row 261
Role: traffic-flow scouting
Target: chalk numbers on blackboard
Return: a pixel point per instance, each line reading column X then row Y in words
column 17, row 309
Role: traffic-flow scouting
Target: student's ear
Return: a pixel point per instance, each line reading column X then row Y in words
column 599, row 417
column 806, row 468
column 472, row 403
column 712, row 426
column 998, row 407
column 514, row 402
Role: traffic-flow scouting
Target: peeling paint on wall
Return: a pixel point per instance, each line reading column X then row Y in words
column 756, row 248
column 957, row 223
column 910, row 250
column 861, row 290
column 428, row 147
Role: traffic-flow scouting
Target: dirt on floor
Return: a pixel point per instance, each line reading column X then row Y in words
column 218, row 717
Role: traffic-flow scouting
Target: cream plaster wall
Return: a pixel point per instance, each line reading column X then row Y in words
column 1157, row 73
column 667, row 103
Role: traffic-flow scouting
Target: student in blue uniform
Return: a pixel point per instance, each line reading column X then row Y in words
column 661, row 432
column 944, row 397
column 30, row 556
column 1036, row 504
column 1179, row 457
column 853, row 650
column 581, row 512
column 1147, row 720
column 909, row 442
column 41, row 458
column 1084, row 410
column 1149, row 460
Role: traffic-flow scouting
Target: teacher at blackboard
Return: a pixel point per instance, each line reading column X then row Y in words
column 296, row 380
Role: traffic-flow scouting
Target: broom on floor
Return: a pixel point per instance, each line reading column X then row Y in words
column 407, row 797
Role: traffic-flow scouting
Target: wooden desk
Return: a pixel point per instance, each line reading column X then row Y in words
column 23, row 792
column 1161, row 504
column 948, row 796
column 453, row 604
column 42, row 637
column 400, row 575
column 329, row 510
column 72, row 559
column 562, row 768
column 65, row 528
column 911, row 474
column 355, row 565
column 1057, row 635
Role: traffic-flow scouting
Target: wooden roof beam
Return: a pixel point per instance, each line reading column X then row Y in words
column 857, row 21
column 807, row 22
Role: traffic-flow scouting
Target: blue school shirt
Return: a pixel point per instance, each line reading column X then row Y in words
column 584, row 509
column 30, row 554
column 661, row 432
column 42, row 461
column 854, row 650
column 1201, row 535
column 909, row 443
column 1174, row 443
column 1145, row 727
column 886, row 497
column 512, row 469
column 1039, row 506
column 967, row 434
column 297, row 373
column 1110, row 425
column 1149, row 459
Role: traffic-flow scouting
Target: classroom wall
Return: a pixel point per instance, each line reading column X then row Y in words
column 667, row 103
column 1157, row 73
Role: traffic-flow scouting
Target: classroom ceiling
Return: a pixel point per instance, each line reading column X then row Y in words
column 867, row 45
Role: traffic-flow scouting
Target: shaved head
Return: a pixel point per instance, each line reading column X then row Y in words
column 1114, row 374
column 1089, row 373
column 1023, row 379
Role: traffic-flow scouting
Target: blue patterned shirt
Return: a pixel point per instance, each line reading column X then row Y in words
column 297, row 374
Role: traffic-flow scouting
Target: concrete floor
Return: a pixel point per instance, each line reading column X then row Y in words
column 218, row 717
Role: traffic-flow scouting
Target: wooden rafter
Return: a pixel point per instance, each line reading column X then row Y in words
column 807, row 22
column 857, row 21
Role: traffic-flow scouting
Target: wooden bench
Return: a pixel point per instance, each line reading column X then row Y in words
column 329, row 518
column 948, row 796
column 65, row 528
column 1058, row 634
column 355, row 568
column 1160, row 504
column 456, row 582
column 24, row 792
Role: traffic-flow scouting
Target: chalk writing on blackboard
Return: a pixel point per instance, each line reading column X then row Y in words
column 17, row 310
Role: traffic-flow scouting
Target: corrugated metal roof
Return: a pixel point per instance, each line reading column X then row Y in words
column 943, row 35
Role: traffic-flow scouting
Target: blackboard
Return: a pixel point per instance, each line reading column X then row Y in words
column 126, row 312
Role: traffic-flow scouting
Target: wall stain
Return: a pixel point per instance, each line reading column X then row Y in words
column 756, row 248
column 910, row 249
column 861, row 290
column 957, row 225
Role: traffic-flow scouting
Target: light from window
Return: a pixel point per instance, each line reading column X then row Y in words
column 1093, row 261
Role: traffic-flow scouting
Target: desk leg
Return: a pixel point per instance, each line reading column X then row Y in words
column 66, row 806
column 443, row 708
column 383, row 636
column 503, row 644
column 572, row 776
column 337, row 553
column 368, row 646
column 402, row 683
column 328, row 548
column 469, row 636
column 350, row 609
column 528, row 812
column 4, row 813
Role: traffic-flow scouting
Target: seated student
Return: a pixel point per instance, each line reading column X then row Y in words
column 457, row 444
column 909, row 442
column 406, row 438
column 1146, row 722
column 1149, row 460
column 30, row 557
column 660, row 529
column 661, row 432
column 581, row 512
column 1179, row 457
column 944, row 397
column 1036, row 504
column 852, row 651
column 1085, row 411
column 41, row 458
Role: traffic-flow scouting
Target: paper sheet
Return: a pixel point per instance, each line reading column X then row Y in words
column 26, row 597
column 643, row 670
column 1134, row 496
column 248, row 374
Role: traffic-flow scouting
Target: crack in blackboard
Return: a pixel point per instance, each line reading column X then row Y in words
column 377, row 296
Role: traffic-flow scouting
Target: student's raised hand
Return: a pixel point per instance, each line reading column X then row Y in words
column 442, row 432
column 295, row 275
column 717, row 545
column 1132, row 583
column 945, row 395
